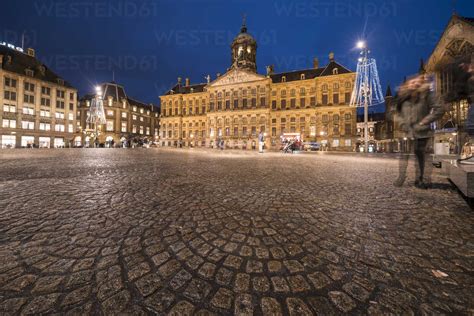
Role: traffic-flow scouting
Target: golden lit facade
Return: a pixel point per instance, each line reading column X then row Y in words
column 235, row 107
column 37, row 106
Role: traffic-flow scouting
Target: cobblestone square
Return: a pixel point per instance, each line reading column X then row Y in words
column 181, row 232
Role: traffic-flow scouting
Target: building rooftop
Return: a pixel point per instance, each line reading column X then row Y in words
column 18, row 62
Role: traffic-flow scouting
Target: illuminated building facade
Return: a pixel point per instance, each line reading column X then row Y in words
column 128, row 121
column 37, row 106
column 310, row 103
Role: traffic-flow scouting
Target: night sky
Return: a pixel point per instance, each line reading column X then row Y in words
column 148, row 44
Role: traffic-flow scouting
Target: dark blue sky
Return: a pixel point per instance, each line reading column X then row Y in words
column 148, row 44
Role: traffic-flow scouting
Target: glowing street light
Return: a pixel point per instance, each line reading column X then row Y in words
column 360, row 44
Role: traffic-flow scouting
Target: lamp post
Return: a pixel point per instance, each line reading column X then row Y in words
column 367, row 90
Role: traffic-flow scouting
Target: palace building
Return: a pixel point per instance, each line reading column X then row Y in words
column 128, row 121
column 37, row 106
column 311, row 104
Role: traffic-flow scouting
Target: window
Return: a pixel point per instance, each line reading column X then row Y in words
column 124, row 127
column 312, row 101
column 348, row 143
column 60, row 94
column 148, row 131
column 254, row 102
column 347, row 116
column 141, row 130
column 236, row 103
column 335, row 129
column 244, row 131
column 347, row 129
column 293, row 103
column 325, row 99
column 347, row 97
column 45, row 126
column 59, row 115
column 9, row 123
column 45, row 90
column 302, row 77
column 29, row 72
column 27, row 125
column 283, row 79
column 45, row 102
column 141, row 118
column 335, row 98
column 10, row 82
column 9, row 108
column 227, row 105
column 254, row 131
column 29, row 87
column 141, row 110
column 59, row 127
column 336, row 86
column 134, row 117
column 347, row 85
column 44, row 113
column 70, row 128
column 335, row 117
column 283, row 104
column 10, row 95
column 244, row 103
column 302, row 102
column 325, row 118
column 28, row 111
column 335, row 143
column 29, row 98
column 71, row 116
column 110, row 113
column 59, row 104
column 124, row 114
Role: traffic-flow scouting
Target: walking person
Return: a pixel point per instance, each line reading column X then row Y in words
column 416, row 109
column 261, row 142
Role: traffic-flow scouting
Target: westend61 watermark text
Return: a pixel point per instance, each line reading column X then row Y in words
column 210, row 37
column 102, row 62
column 98, row 9
column 336, row 8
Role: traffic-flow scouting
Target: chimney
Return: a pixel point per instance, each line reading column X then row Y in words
column 315, row 63
column 331, row 56
column 179, row 80
column 30, row 52
column 187, row 82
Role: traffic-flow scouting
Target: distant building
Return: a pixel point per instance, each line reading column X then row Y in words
column 128, row 120
column 455, row 46
column 312, row 104
column 37, row 106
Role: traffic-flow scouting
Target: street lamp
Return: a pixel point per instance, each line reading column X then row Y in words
column 360, row 44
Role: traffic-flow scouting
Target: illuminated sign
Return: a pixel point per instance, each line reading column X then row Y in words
column 11, row 46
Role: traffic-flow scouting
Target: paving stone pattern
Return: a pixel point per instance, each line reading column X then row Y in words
column 183, row 232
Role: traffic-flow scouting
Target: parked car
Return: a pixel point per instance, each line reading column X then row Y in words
column 312, row 146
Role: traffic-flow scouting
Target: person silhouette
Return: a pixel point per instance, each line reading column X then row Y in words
column 416, row 109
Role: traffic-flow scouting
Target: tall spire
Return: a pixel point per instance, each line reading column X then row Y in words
column 389, row 92
column 422, row 70
column 243, row 29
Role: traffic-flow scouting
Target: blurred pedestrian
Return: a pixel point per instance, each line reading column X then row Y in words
column 260, row 142
column 416, row 109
